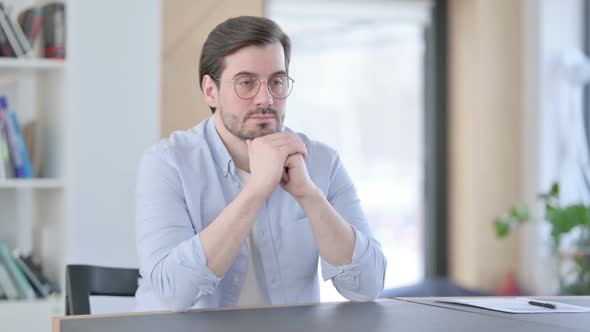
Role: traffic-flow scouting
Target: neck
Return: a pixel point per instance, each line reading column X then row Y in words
column 237, row 148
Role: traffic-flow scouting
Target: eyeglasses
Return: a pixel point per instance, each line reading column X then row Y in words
column 247, row 87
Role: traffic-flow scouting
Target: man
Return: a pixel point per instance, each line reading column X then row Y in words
column 238, row 210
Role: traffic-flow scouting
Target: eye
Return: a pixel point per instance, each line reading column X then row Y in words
column 278, row 81
column 245, row 82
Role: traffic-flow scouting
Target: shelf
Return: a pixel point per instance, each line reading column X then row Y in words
column 31, row 184
column 31, row 64
column 53, row 302
column 30, row 315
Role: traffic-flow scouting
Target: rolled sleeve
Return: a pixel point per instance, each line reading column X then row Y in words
column 171, row 256
column 182, row 277
column 363, row 279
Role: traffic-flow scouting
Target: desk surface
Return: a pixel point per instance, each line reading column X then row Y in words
column 420, row 315
column 573, row 321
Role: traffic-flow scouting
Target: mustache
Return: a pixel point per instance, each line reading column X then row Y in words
column 264, row 111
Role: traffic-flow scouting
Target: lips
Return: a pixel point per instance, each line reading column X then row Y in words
column 262, row 117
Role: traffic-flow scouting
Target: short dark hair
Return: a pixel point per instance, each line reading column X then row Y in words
column 233, row 34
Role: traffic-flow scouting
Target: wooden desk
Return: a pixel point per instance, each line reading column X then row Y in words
column 408, row 314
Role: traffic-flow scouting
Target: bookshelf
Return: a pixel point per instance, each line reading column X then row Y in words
column 31, row 64
column 30, row 315
column 32, row 184
column 33, row 211
column 93, row 114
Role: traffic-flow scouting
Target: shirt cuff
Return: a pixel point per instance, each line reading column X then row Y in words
column 350, row 271
column 198, row 258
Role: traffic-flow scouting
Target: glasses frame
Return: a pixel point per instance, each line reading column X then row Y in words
column 291, row 82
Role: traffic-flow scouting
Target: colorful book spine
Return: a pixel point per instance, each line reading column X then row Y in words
column 18, row 149
column 10, row 137
column 30, row 22
column 27, row 170
column 5, row 157
column 3, row 148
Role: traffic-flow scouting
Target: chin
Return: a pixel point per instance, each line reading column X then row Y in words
column 261, row 133
column 252, row 134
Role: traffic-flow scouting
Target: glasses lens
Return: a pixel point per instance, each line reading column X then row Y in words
column 246, row 86
column 280, row 86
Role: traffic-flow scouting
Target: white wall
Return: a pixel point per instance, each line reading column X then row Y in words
column 114, row 84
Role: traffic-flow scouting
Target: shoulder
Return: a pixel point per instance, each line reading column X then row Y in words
column 180, row 143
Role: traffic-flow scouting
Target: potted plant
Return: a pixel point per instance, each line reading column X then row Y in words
column 570, row 234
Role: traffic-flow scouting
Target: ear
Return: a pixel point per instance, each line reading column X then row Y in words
column 210, row 91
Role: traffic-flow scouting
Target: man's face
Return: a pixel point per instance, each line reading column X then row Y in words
column 263, row 114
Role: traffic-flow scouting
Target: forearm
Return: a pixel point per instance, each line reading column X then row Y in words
column 334, row 236
column 223, row 238
column 362, row 280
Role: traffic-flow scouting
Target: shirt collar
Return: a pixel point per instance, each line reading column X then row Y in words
column 220, row 153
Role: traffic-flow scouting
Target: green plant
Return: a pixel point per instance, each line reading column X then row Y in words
column 566, row 222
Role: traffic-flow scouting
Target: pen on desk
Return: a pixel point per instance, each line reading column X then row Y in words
column 543, row 304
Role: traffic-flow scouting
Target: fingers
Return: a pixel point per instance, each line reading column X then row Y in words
column 293, row 160
column 287, row 142
column 293, row 149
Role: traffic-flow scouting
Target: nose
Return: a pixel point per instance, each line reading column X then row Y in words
column 263, row 98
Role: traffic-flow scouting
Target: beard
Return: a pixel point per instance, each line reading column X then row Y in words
column 236, row 124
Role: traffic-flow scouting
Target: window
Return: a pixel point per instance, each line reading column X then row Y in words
column 358, row 70
column 586, row 35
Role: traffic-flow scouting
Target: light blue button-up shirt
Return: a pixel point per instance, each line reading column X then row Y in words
column 185, row 181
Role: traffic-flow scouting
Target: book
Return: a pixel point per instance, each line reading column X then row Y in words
column 3, row 174
column 54, row 30
column 10, row 36
column 27, row 169
column 10, row 290
column 5, row 48
column 2, row 293
column 16, row 143
column 5, row 157
column 43, row 287
column 30, row 21
column 17, row 38
column 24, row 288
column 4, row 154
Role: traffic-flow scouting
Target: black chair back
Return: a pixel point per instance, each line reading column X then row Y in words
column 82, row 281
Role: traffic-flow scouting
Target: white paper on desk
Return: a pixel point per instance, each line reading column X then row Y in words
column 517, row 305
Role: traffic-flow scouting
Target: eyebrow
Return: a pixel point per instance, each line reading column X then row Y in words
column 249, row 73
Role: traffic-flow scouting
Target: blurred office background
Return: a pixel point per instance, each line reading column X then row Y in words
column 445, row 112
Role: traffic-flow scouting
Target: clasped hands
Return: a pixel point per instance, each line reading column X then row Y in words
column 279, row 159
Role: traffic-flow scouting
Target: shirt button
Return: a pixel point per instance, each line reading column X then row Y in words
column 236, row 280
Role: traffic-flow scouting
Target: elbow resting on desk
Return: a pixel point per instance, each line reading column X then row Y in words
column 182, row 277
column 177, row 290
column 366, row 291
column 364, row 279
